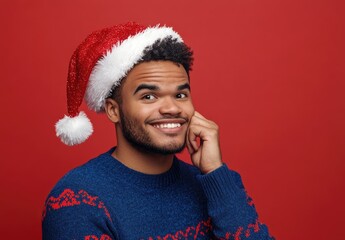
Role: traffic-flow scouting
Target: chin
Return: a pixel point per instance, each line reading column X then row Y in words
column 165, row 149
column 168, row 151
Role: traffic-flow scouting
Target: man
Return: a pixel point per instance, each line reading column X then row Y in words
column 139, row 77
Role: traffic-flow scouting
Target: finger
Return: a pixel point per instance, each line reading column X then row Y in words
column 203, row 122
column 189, row 148
column 188, row 144
column 204, row 133
column 199, row 115
column 192, row 137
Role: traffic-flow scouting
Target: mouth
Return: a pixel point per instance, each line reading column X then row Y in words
column 169, row 125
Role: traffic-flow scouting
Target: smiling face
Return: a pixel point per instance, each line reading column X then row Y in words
column 155, row 107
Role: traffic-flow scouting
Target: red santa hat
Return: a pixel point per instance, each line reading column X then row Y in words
column 98, row 65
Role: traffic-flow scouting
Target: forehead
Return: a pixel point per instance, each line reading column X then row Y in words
column 156, row 72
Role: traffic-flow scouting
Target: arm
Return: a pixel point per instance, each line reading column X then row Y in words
column 75, row 214
column 232, row 211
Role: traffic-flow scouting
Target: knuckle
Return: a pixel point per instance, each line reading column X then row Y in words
column 214, row 132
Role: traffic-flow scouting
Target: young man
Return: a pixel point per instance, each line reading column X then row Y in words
column 139, row 77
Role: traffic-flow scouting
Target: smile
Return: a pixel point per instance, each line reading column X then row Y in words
column 167, row 125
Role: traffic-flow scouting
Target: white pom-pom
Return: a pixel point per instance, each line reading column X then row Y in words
column 74, row 130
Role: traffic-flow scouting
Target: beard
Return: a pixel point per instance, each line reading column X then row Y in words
column 140, row 139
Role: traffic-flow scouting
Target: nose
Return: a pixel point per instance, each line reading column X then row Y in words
column 169, row 106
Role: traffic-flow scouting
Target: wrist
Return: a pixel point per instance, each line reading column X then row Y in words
column 212, row 168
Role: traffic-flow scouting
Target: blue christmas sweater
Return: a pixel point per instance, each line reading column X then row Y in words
column 103, row 199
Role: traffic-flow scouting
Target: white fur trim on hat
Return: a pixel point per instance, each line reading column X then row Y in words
column 117, row 62
column 74, row 130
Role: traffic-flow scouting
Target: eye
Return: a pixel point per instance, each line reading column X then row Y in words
column 148, row 97
column 181, row 95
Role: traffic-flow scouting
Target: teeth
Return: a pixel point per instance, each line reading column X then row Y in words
column 168, row 125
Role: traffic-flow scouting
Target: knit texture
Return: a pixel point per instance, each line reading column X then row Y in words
column 103, row 199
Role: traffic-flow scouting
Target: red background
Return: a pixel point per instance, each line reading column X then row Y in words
column 270, row 73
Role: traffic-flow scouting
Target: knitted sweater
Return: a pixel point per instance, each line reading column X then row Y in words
column 103, row 199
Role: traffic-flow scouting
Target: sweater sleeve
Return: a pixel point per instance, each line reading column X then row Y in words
column 70, row 214
column 232, row 211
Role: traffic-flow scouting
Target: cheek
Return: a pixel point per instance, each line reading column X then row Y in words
column 140, row 112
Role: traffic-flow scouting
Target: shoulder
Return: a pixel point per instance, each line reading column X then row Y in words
column 78, row 193
column 82, row 182
column 84, row 176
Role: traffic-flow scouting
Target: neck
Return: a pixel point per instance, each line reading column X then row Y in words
column 141, row 161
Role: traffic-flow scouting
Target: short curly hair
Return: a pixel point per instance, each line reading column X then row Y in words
column 167, row 49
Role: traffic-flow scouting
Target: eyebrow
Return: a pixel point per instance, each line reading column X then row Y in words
column 184, row 86
column 156, row 88
column 146, row 86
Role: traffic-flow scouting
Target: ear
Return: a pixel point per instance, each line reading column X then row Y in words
column 112, row 110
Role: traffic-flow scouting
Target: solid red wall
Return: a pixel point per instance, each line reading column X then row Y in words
column 270, row 73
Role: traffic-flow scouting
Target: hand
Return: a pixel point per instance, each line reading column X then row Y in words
column 206, row 155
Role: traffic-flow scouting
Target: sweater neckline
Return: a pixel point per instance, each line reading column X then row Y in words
column 142, row 179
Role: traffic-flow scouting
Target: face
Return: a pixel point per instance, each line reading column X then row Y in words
column 156, row 107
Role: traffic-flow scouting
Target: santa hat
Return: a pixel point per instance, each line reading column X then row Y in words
column 98, row 65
